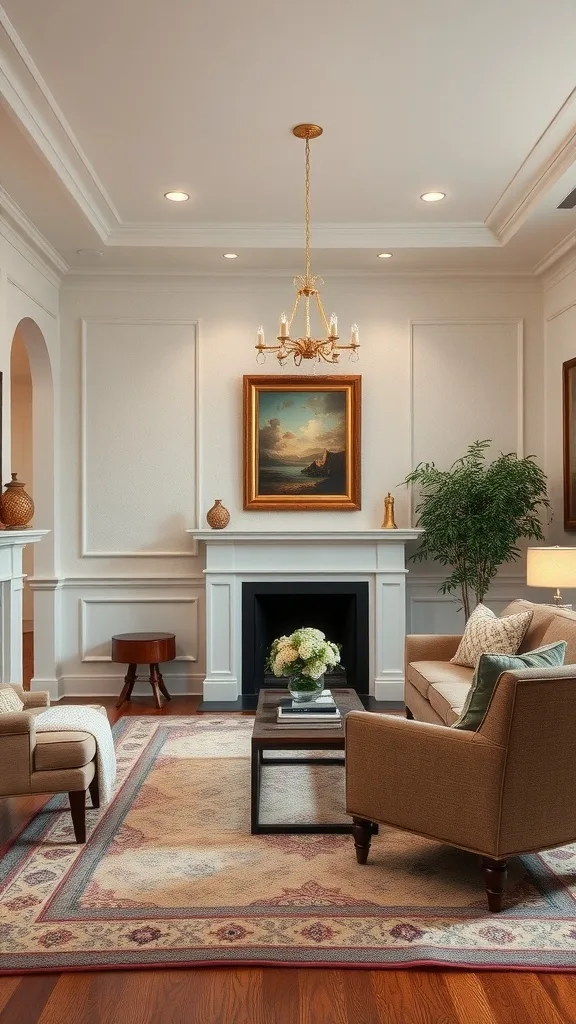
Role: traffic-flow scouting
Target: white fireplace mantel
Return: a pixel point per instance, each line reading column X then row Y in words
column 235, row 556
column 11, row 582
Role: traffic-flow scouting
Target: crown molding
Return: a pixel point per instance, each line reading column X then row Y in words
column 555, row 259
column 29, row 98
column 547, row 161
column 10, row 212
column 290, row 236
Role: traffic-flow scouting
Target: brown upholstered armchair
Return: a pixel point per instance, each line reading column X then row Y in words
column 504, row 790
column 47, row 762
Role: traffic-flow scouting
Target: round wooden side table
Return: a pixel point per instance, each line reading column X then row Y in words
column 135, row 649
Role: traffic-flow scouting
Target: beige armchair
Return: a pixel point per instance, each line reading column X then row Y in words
column 504, row 790
column 47, row 762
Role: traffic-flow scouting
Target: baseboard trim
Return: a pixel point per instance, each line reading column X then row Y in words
column 110, row 686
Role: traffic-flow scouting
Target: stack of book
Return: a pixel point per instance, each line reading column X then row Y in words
column 321, row 713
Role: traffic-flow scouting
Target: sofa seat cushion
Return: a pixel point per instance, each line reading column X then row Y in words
column 63, row 750
column 448, row 699
column 422, row 674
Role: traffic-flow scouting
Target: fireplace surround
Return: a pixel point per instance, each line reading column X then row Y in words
column 376, row 558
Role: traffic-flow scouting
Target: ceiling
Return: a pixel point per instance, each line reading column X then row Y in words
column 104, row 107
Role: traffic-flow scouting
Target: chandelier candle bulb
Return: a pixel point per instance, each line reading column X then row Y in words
column 260, row 337
column 283, row 326
column 355, row 336
column 334, row 326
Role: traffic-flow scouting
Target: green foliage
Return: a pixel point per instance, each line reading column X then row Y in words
column 474, row 513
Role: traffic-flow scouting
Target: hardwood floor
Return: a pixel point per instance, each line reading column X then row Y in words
column 274, row 995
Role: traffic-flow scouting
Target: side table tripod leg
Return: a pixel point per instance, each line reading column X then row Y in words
column 129, row 681
column 162, row 684
column 154, row 683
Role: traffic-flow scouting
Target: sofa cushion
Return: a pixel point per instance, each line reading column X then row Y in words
column 422, row 674
column 491, row 667
column 448, row 699
column 9, row 700
column 563, row 628
column 56, row 750
column 542, row 616
column 486, row 633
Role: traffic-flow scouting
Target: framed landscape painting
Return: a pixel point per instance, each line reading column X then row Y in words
column 302, row 443
column 569, row 413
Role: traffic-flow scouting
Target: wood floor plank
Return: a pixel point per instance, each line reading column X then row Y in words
column 28, row 999
column 561, row 989
column 280, row 995
column 69, row 1001
column 468, row 997
column 322, row 996
column 413, row 997
column 519, row 998
column 360, row 999
column 7, row 987
column 228, row 994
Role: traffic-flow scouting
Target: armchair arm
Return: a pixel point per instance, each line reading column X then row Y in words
column 17, row 742
column 431, row 647
column 32, row 698
column 428, row 779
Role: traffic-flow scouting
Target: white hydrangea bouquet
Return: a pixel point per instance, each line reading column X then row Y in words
column 304, row 657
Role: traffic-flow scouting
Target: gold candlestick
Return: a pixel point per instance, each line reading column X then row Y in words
column 389, row 523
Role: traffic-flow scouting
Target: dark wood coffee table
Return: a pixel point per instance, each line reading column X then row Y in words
column 267, row 735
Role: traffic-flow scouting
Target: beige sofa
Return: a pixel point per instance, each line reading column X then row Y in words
column 435, row 690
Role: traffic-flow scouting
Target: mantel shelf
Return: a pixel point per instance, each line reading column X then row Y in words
column 316, row 536
column 20, row 537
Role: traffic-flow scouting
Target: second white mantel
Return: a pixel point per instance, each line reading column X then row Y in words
column 235, row 556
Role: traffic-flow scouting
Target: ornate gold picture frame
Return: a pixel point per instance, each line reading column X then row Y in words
column 302, row 443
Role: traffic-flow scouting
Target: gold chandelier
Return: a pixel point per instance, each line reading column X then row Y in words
column 307, row 347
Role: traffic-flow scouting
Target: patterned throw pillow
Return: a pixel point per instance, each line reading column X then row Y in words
column 490, row 667
column 9, row 700
column 485, row 633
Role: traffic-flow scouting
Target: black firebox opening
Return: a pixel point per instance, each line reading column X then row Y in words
column 270, row 610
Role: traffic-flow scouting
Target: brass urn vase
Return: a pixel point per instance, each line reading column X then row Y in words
column 218, row 516
column 16, row 506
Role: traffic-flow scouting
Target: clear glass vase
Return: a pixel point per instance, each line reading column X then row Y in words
column 302, row 688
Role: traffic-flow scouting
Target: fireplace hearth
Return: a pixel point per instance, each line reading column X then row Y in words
column 339, row 609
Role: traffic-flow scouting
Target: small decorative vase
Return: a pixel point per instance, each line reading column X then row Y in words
column 218, row 516
column 16, row 507
column 302, row 688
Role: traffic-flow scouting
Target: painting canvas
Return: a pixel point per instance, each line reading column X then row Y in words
column 302, row 438
column 569, row 389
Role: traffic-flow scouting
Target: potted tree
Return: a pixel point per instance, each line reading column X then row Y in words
column 473, row 515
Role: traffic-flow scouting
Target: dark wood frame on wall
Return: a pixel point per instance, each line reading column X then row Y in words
column 568, row 386
column 351, row 500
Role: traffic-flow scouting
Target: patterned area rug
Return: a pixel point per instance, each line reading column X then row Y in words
column 171, row 875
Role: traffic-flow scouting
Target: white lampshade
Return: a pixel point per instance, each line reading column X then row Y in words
column 551, row 567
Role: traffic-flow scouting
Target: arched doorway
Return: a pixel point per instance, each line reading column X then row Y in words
column 31, row 453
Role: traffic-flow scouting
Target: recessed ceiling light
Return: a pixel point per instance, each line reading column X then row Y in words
column 230, row 255
column 433, row 197
column 177, row 197
column 384, row 255
column 89, row 252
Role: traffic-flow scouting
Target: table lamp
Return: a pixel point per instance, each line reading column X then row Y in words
column 551, row 567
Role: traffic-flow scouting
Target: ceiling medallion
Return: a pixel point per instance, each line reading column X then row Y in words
column 307, row 347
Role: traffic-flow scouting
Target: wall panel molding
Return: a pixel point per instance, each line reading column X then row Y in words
column 85, row 603
column 86, row 322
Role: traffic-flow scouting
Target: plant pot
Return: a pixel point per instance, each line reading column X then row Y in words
column 16, row 507
column 302, row 688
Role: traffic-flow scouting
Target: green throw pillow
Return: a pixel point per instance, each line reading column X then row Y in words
column 490, row 667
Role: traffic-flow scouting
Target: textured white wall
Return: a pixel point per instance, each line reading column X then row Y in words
column 152, row 431
column 21, row 449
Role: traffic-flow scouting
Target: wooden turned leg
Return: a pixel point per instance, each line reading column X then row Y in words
column 155, row 684
column 129, row 680
column 78, row 809
column 362, row 832
column 95, row 792
column 162, row 684
column 495, row 880
column 409, row 714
